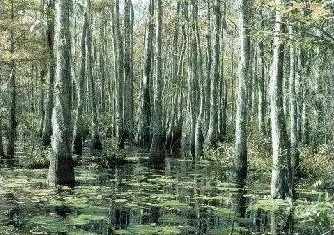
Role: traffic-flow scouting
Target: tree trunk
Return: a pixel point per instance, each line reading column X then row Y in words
column 212, row 134
column 2, row 153
column 188, row 140
column 261, row 92
column 208, row 69
column 12, row 97
column 144, row 132
column 241, row 115
column 199, row 133
column 47, row 128
column 119, row 69
column 79, row 124
column 157, row 146
column 95, row 135
column 128, row 72
column 293, row 108
column 103, row 55
column 61, row 170
column 41, row 103
column 281, row 183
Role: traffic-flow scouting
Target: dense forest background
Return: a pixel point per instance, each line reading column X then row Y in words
column 242, row 88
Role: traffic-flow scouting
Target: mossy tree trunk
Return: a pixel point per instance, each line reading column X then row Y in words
column 47, row 127
column 189, row 121
column 293, row 107
column 199, row 132
column 144, row 122
column 212, row 134
column 281, row 181
column 95, row 135
column 79, row 124
column 61, row 170
column 208, row 63
column 102, row 59
column 119, row 72
column 243, row 79
column 261, row 111
column 157, row 152
column 2, row 153
column 128, row 71
column 12, row 95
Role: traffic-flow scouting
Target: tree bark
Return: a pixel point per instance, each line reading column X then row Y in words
column 261, row 92
column 119, row 69
column 281, row 181
column 199, row 133
column 47, row 127
column 144, row 130
column 188, row 140
column 79, row 124
column 12, row 97
column 95, row 135
column 241, row 115
column 61, row 170
column 212, row 134
column 157, row 146
column 208, row 69
column 293, row 108
column 41, row 103
column 128, row 71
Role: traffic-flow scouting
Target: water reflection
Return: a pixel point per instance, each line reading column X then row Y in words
column 183, row 198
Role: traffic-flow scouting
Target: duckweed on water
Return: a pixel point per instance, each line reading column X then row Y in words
column 136, row 200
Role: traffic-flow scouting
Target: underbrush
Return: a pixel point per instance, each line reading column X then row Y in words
column 37, row 158
column 317, row 166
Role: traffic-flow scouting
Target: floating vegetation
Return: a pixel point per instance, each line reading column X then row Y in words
column 134, row 199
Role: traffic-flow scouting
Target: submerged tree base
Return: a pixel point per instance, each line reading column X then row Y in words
column 61, row 172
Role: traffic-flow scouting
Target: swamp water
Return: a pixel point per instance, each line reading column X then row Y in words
column 184, row 198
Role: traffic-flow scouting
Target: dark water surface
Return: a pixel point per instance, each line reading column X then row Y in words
column 184, row 198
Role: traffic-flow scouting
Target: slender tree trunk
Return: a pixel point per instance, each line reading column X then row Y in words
column 103, row 60
column 144, row 132
column 199, row 133
column 96, row 140
column 261, row 92
column 157, row 146
column 208, row 69
column 79, row 124
column 173, row 113
column 2, row 152
column 222, row 85
column 188, row 141
column 212, row 134
column 128, row 72
column 241, row 115
column 293, row 108
column 281, row 181
column 41, row 103
column 12, row 96
column 318, row 102
column 47, row 128
column 119, row 68
column 61, row 170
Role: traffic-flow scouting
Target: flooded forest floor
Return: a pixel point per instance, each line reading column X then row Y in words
column 126, row 196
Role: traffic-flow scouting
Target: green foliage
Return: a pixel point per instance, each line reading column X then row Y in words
column 36, row 158
column 230, row 230
column 149, row 230
column 224, row 154
column 271, row 205
column 317, row 166
column 28, row 125
column 315, row 217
